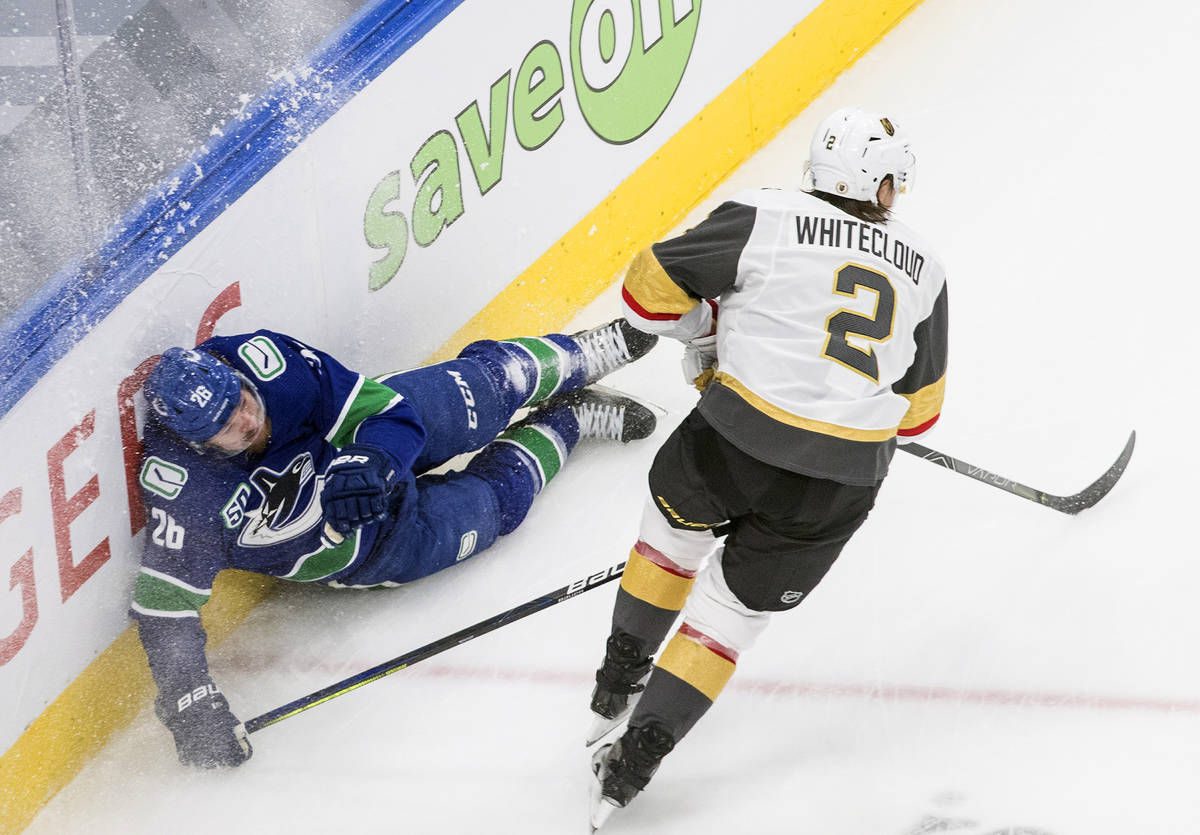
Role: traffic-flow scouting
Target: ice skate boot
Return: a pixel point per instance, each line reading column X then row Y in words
column 609, row 415
column 619, row 684
column 611, row 346
column 623, row 769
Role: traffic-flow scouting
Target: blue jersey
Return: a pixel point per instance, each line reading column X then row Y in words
column 262, row 513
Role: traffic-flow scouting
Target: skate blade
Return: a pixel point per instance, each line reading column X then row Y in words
column 600, row 730
column 602, row 727
column 661, row 411
column 600, row 812
column 599, row 806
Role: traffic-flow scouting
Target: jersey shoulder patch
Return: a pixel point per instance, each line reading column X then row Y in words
column 263, row 357
column 163, row 477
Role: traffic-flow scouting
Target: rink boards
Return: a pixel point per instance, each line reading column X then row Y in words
column 390, row 214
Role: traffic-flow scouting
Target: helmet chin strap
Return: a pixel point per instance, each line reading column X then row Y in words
column 807, row 181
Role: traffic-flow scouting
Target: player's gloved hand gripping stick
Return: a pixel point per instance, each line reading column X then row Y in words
column 206, row 732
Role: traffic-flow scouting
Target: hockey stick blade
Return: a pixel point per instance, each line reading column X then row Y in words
column 401, row 662
column 1072, row 504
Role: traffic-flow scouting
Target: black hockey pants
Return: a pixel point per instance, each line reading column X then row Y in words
column 785, row 529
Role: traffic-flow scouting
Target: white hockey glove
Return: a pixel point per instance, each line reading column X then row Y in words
column 699, row 360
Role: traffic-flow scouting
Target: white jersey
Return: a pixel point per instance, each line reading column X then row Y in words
column 831, row 331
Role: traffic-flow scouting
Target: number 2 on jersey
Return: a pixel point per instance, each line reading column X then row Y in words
column 875, row 328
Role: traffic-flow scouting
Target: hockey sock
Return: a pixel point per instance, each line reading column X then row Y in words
column 653, row 590
column 523, row 459
column 690, row 674
column 645, row 621
column 552, row 364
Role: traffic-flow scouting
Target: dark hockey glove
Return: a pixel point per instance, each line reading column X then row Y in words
column 207, row 734
column 357, row 485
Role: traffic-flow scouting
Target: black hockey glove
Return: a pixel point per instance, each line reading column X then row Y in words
column 207, row 734
column 357, row 484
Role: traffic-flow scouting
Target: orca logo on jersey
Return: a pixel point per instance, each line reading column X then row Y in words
column 290, row 503
column 790, row 597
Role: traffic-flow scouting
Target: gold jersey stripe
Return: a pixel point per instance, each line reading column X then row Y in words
column 696, row 664
column 924, row 404
column 653, row 289
column 654, row 584
column 772, row 411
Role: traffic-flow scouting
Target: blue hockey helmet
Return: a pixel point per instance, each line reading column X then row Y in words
column 193, row 393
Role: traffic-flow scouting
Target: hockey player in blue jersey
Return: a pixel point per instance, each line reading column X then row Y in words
column 267, row 455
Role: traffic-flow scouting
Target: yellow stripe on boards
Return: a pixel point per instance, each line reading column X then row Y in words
column 696, row 664
column 684, row 171
column 105, row 697
column 654, row 584
column 573, row 272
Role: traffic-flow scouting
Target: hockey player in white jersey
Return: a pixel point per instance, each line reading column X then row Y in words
column 816, row 327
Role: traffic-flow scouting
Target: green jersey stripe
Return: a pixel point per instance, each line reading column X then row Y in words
column 341, row 419
column 188, row 587
column 368, row 398
column 324, row 561
column 158, row 594
column 396, row 398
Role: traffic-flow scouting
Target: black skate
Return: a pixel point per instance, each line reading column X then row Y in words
column 623, row 769
column 611, row 346
column 609, row 415
column 619, row 684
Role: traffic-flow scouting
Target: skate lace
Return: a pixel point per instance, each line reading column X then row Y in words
column 604, row 351
column 600, row 420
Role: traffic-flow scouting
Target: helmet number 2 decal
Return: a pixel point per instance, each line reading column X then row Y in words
column 847, row 323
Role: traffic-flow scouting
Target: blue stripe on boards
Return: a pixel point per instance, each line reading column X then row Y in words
column 81, row 295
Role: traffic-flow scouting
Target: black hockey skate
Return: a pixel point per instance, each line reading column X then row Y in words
column 619, row 683
column 609, row 415
column 611, row 346
column 623, row 769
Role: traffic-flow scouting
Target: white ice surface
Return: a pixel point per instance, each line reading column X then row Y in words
column 973, row 664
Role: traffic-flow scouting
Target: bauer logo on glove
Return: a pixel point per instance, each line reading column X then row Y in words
column 207, row 734
column 358, row 484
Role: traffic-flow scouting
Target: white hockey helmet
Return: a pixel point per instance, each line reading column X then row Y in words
column 854, row 149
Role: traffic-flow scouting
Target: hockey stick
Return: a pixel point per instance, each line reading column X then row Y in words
column 1072, row 504
column 441, row 645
